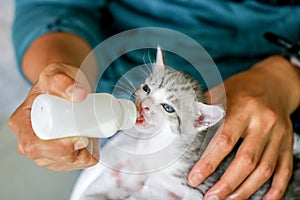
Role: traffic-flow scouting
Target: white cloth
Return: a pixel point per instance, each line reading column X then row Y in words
column 129, row 174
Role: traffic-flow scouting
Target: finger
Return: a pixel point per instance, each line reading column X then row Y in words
column 34, row 148
column 62, row 76
column 43, row 162
column 246, row 159
column 64, row 86
column 65, row 81
column 65, row 161
column 81, row 79
column 82, row 159
column 20, row 149
column 261, row 174
column 282, row 175
column 58, row 147
column 244, row 163
column 85, row 158
column 94, row 147
column 220, row 146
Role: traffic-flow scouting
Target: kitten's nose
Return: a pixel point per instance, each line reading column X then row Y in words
column 146, row 104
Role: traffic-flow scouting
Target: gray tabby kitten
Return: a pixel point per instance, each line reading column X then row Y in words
column 174, row 121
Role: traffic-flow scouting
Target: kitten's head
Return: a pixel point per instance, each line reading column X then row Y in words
column 173, row 101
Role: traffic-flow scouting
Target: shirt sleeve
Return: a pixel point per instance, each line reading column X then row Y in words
column 34, row 18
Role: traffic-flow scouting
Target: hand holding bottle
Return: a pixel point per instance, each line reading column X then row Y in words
column 60, row 154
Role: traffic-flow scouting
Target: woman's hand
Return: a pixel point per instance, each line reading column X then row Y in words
column 60, row 154
column 259, row 104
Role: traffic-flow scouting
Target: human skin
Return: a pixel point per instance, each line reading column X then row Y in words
column 51, row 64
column 259, row 103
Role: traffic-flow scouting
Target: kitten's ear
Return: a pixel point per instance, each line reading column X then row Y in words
column 160, row 60
column 209, row 115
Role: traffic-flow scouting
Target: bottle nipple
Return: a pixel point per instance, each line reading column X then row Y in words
column 129, row 114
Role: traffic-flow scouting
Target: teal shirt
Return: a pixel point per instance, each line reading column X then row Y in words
column 231, row 32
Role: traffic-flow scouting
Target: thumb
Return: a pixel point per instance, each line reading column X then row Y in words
column 64, row 81
column 76, row 93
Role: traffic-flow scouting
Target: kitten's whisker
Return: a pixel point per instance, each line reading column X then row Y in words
column 146, row 70
column 131, row 84
column 121, row 89
column 144, row 61
column 124, row 88
column 148, row 64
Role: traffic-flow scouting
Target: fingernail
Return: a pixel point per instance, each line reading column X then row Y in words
column 196, row 179
column 231, row 197
column 76, row 93
column 212, row 197
column 81, row 143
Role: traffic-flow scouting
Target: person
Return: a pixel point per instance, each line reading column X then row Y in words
column 52, row 38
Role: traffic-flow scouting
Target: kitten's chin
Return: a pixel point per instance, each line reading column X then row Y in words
column 141, row 122
column 144, row 126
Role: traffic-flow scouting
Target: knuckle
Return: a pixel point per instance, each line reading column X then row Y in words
column 57, row 78
column 266, row 170
column 249, row 101
column 21, row 150
column 41, row 163
column 52, row 73
column 11, row 121
column 58, row 82
column 30, row 151
column 249, row 160
column 50, row 69
column 226, row 141
column 93, row 161
column 280, row 190
column 70, row 159
column 53, row 67
column 64, row 150
column 84, row 157
column 270, row 119
column 287, row 173
column 208, row 166
column 228, row 188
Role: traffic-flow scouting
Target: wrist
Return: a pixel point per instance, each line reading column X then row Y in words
column 282, row 78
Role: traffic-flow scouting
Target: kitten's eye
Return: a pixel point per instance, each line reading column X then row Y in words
column 168, row 108
column 146, row 88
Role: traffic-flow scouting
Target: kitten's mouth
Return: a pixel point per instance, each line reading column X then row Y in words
column 142, row 121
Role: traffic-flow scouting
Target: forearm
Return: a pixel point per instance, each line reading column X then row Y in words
column 56, row 47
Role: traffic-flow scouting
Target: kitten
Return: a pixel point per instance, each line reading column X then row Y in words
column 152, row 160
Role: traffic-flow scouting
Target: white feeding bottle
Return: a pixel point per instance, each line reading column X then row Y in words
column 100, row 115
